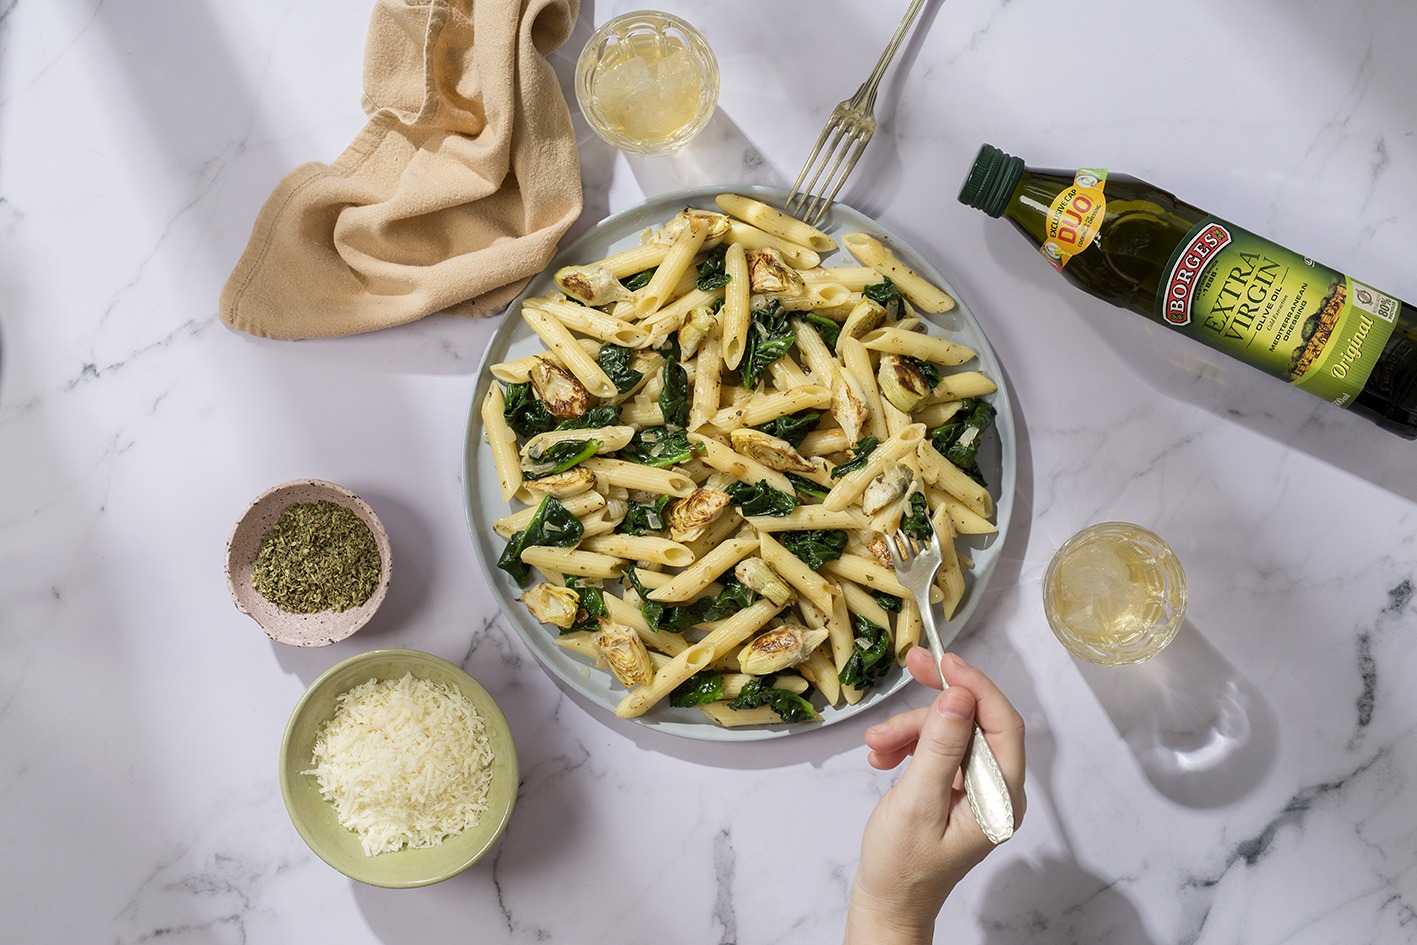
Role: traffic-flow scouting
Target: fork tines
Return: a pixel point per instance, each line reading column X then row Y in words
column 843, row 138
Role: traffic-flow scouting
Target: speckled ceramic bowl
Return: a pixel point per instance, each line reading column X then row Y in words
column 318, row 822
column 317, row 629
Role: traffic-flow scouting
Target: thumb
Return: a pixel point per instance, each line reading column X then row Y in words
column 944, row 737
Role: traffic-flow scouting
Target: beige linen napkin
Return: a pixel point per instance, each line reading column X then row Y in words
column 452, row 196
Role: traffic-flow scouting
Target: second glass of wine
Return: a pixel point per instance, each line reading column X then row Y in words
column 1115, row 594
column 647, row 82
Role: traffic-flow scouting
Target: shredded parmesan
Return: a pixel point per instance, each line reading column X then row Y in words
column 405, row 762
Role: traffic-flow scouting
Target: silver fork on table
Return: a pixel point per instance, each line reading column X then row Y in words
column 989, row 799
column 850, row 126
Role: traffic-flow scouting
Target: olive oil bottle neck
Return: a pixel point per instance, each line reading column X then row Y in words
column 991, row 181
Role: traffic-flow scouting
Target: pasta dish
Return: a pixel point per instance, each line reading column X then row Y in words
column 711, row 449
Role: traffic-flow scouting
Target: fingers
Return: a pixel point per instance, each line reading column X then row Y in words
column 1002, row 725
column 923, row 667
column 892, row 741
column 945, row 731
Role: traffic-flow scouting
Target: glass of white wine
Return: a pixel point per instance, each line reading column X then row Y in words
column 1115, row 594
column 647, row 82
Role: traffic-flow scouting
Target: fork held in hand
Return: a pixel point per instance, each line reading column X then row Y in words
column 850, row 126
column 989, row 799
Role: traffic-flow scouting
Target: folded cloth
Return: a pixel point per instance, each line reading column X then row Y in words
column 453, row 195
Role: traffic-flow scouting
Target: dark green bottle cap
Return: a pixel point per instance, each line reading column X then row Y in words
column 991, row 181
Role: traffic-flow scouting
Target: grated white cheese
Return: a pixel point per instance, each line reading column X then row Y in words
column 405, row 762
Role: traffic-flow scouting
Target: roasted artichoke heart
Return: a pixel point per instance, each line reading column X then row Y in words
column 718, row 225
column 779, row 649
column 594, row 286
column 886, row 488
column 880, row 550
column 563, row 485
column 902, row 383
column 757, row 574
column 558, row 389
column 694, row 330
column 849, row 404
column 773, row 452
column 769, row 272
column 689, row 516
column 624, row 652
column 548, row 603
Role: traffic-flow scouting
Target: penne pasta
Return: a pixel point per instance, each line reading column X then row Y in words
column 924, row 295
column 502, row 442
column 698, row 575
column 893, row 340
column 571, row 561
column 638, row 477
column 641, row 548
column 568, row 351
column 750, row 238
column 735, row 315
column 774, row 221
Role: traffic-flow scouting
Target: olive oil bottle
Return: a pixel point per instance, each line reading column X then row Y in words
column 1137, row 246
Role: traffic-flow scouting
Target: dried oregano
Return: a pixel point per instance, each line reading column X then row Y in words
column 318, row 556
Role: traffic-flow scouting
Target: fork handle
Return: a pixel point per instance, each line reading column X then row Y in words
column 984, row 785
column 867, row 91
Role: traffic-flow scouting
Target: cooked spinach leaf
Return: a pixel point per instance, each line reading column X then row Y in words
column 770, row 336
column 653, row 611
column 592, row 605
column 815, row 547
column 674, row 396
column 617, row 362
column 870, row 657
column 916, row 522
column 523, row 412
column 789, row 706
column 927, row 370
column 864, row 448
column 884, row 293
column 561, row 456
column 807, row 487
column 659, row 447
column 642, row 517
column 888, row 602
column 711, row 272
column 727, row 602
column 761, row 499
column 828, row 329
column 701, row 688
column 639, row 280
column 793, row 428
column 551, row 525
column 958, row 441
column 604, row 416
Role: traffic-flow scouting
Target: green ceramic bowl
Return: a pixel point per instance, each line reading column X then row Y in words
column 315, row 817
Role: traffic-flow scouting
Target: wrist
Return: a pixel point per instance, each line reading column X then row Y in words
column 871, row 921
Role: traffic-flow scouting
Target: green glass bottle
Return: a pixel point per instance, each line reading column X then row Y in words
column 1137, row 246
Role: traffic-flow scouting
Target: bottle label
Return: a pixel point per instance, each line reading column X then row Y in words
column 1276, row 310
column 1075, row 217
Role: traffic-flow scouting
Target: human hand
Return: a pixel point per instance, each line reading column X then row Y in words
column 922, row 838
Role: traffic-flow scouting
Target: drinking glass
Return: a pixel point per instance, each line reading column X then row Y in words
column 1115, row 594
column 647, row 82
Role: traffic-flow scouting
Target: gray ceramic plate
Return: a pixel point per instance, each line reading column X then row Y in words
column 514, row 339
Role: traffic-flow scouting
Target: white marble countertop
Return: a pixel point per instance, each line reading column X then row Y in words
column 1254, row 784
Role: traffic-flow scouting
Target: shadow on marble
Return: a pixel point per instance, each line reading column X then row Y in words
column 721, row 153
column 1203, row 734
column 1053, row 899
